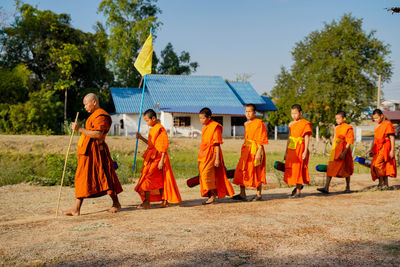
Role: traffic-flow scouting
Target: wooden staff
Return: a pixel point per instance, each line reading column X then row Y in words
column 65, row 165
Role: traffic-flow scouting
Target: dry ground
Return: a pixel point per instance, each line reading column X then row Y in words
column 361, row 228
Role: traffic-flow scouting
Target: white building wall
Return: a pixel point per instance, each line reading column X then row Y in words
column 167, row 120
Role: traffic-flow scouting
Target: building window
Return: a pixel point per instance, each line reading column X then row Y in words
column 218, row 119
column 181, row 121
column 238, row 121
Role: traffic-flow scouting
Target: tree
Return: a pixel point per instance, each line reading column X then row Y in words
column 334, row 69
column 66, row 59
column 172, row 64
column 129, row 22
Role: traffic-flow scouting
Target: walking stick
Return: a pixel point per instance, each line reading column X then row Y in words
column 65, row 166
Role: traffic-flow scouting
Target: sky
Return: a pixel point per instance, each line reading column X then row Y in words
column 231, row 37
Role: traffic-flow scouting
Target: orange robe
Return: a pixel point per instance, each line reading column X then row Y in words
column 152, row 178
column 381, row 164
column 341, row 167
column 211, row 177
column 250, row 173
column 95, row 175
column 296, row 169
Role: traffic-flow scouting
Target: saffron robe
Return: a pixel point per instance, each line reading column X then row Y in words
column 211, row 177
column 296, row 169
column 381, row 164
column 250, row 173
column 153, row 179
column 344, row 135
column 95, row 175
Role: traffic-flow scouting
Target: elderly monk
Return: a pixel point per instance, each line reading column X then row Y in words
column 297, row 154
column 95, row 175
column 382, row 150
column 340, row 160
column 250, row 171
column 157, row 181
column 212, row 174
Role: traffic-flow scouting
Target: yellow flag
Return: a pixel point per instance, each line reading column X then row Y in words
column 143, row 61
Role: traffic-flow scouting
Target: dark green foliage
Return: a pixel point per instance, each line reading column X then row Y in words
column 334, row 69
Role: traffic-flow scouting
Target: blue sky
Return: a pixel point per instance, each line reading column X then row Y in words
column 229, row 37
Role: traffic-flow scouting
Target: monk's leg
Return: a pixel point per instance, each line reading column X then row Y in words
column 325, row 189
column 347, row 185
column 146, row 202
column 258, row 197
column 298, row 189
column 380, row 183
column 164, row 202
column 385, row 181
column 116, row 206
column 76, row 210
column 243, row 191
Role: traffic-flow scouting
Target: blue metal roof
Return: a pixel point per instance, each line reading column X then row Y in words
column 127, row 100
column 186, row 91
column 246, row 93
column 216, row 110
column 268, row 106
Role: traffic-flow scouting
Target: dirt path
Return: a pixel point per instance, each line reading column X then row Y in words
column 362, row 228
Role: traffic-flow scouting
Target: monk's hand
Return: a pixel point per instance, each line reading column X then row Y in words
column 258, row 157
column 284, row 157
column 75, row 126
column 217, row 163
column 139, row 136
column 369, row 153
column 161, row 165
column 391, row 154
column 304, row 155
column 342, row 155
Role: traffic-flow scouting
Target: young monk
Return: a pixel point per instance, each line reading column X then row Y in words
column 250, row 171
column 157, row 182
column 341, row 160
column 95, row 175
column 297, row 154
column 382, row 150
column 212, row 174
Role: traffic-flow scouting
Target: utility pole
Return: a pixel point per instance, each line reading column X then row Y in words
column 378, row 102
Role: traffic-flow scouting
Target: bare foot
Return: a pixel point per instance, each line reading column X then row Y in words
column 163, row 204
column 211, row 200
column 115, row 208
column 71, row 212
column 144, row 205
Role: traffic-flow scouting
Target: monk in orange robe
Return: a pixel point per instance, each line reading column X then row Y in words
column 212, row 174
column 297, row 154
column 341, row 160
column 382, row 150
column 157, row 182
column 95, row 175
column 250, row 171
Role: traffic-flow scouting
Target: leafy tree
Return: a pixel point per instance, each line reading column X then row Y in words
column 66, row 58
column 173, row 64
column 334, row 69
column 14, row 84
column 129, row 22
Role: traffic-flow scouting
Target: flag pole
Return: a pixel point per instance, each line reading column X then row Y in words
column 140, row 115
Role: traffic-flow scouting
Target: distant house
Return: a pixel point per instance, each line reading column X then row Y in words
column 391, row 105
column 177, row 99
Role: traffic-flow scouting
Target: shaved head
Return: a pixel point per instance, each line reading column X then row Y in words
column 91, row 102
column 91, row 96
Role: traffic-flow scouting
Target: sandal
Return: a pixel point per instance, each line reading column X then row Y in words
column 256, row 198
column 239, row 197
column 323, row 190
column 294, row 190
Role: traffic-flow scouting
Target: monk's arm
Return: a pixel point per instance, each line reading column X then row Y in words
column 139, row 136
column 258, row 154
column 342, row 155
column 392, row 147
column 306, row 143
column 89, row 133
column 287, row 145
column 217, row 162
column 161, row 163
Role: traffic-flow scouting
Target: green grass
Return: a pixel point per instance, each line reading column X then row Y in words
column 46, row 169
